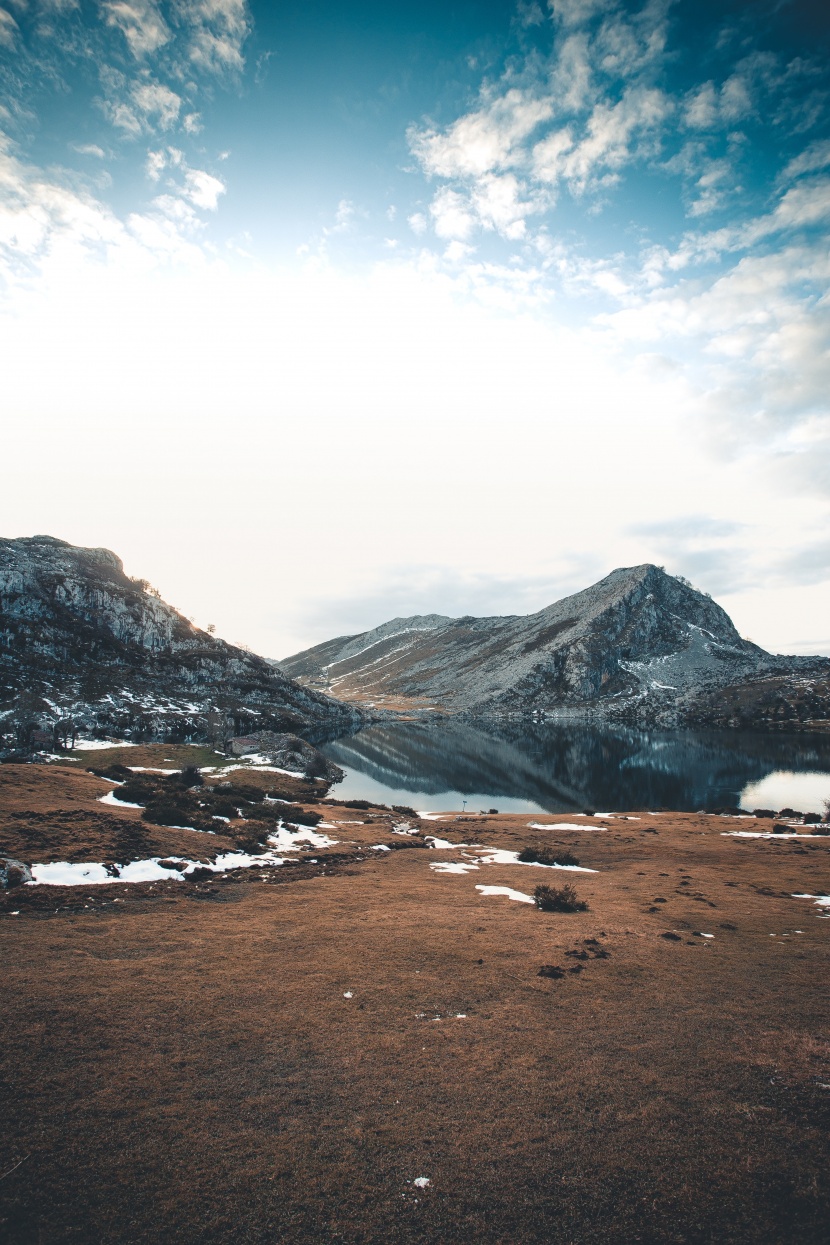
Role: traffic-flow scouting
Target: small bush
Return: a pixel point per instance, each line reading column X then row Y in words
column 191, row 776
column 300, row 816
column 240, row 792
column 119, row 773
column 551, row 970
column 558, row 899
column 404, row 809
column 170, row 813
column 544, row 856
column 763, row 812
column 811, row 819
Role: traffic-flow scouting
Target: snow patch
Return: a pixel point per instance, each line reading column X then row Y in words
column 561, row 825
column 94, row 745
column 501, row 856
column 821, row 901
column 109, row 798
column 518, row 896
column 452, row 866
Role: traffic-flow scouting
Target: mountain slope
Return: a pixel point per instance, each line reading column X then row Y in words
column 640, row 645
column 79, row 639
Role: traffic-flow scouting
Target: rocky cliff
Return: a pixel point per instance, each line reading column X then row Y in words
column 640, row 646
column 83, row 644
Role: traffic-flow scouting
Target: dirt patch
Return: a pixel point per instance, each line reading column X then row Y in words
column 280, row 1055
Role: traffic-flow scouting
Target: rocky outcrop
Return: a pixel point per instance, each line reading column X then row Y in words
column 85, row 649
column 288, row 752
column 640, row 646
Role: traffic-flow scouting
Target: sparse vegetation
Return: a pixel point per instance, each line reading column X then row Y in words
column 558, row 899
column 545, row 856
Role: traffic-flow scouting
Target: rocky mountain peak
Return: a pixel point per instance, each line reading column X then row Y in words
column 82, row 641
column 639, row 645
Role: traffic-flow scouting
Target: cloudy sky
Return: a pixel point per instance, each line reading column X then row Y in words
column 324, row 311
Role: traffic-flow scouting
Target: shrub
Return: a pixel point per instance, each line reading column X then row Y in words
column 300, row 816
column 191, row 776
column 544, row 856
column 558, row 899
column 404, row 809
column 242, row 793
column 166, row 812
column 119, row 773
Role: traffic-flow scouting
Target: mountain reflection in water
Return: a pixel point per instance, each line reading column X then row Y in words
column 556, row 767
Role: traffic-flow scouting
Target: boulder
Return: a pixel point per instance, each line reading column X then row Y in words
column 293, row 753
column 13, row 873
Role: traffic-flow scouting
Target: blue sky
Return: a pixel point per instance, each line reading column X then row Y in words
column 321, row 313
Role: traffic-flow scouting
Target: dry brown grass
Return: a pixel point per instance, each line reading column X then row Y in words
column 183, row 1065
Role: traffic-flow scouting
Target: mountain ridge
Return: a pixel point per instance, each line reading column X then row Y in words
column 640, row 646
column 82, row 642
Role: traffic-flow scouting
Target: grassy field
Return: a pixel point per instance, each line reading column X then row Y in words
column 286, row 1055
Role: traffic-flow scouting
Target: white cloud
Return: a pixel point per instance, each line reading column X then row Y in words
column 89, row 149
column 499, row 205
column 157, row 104
column 451, row 215
column 814, row 158
column 203, row 189
column 484, row 140
column 578, row 12
column 610, row 135
column 218, row 30
column 140, row 22
column 708, row 108
column 8, row 29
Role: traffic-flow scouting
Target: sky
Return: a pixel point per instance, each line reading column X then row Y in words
column 320, row 313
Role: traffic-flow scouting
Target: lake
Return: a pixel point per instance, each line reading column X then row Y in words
column 547, row 767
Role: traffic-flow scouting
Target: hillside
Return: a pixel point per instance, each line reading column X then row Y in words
column 639, row 646
column 80, row 641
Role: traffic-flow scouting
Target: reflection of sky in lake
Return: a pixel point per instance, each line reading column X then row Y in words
column 523, row 767
column 784, row 789
column 361, row 786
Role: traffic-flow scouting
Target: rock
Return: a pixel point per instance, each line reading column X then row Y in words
column 13, row 873
column 292, row 752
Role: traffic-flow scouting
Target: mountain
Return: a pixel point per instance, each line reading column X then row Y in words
column 80, row 641
column 639, row 646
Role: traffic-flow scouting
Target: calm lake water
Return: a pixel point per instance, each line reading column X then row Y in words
column 522, row 767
